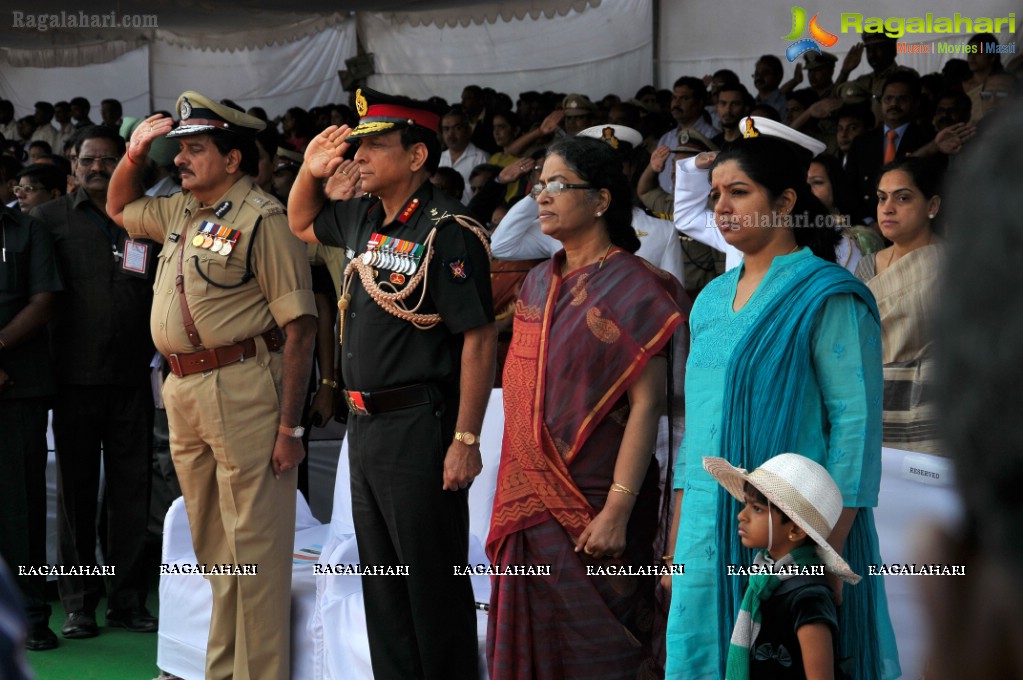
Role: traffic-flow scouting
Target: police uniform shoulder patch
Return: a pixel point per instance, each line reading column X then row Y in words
column 458, row 269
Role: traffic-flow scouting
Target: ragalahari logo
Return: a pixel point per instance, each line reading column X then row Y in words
column 818, row 36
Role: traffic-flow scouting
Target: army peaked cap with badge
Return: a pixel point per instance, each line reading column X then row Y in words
column 381, row 113
column 201, row 115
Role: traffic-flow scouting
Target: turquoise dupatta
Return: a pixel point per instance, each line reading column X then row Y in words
column 765, row 381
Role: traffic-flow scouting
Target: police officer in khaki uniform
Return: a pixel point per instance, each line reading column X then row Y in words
column 232, row 283
column 418, row 354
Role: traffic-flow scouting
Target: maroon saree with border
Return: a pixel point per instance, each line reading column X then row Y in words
column 579, row 342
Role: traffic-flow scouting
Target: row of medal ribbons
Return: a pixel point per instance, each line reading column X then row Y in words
column 395, row 254
column 216, row 238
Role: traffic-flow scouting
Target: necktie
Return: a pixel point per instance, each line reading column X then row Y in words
column 889, row 147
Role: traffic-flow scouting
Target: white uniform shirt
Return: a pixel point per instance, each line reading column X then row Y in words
column 519, row 237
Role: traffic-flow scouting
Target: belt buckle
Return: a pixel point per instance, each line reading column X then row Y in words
column 357, row 408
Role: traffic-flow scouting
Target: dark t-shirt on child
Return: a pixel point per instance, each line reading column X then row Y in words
column 776, row 654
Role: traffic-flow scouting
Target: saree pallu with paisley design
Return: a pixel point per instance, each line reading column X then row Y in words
column 579, row 342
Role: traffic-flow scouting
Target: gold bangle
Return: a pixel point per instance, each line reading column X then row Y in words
column 620, row 488
column 668, row 557
column 332, row 384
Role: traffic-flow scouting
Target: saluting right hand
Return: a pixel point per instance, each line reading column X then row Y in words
column 551, row 122
column 852, row 60
column 659, row 158
column 151, row 128
column 325, row 151
column 705, row 160
column 517, row 169
column 344, row 184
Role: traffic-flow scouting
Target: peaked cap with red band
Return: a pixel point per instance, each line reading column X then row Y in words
column 199, row 115
column 382, row 113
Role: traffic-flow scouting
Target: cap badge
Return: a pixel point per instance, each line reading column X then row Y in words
column 361, row 106
column 751, row 129
column 607, row 135
column 186, row 108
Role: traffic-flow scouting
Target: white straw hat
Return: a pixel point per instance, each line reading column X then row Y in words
column 800, row 488
column 754, row 126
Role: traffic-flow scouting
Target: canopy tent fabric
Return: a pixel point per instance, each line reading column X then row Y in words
column 50, row 30
column 595, row 51
column 257, row 53
column 412, row 57
column 150, row 78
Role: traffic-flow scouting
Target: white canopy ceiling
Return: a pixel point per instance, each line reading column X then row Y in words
column 277, row 58
column 45, row 25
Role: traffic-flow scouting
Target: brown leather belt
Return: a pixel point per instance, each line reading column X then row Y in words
column 372, row 403
column 206, row 360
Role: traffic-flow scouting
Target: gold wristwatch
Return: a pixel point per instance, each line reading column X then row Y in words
column 467, row 438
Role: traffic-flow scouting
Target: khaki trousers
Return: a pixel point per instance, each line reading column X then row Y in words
column 223, row 426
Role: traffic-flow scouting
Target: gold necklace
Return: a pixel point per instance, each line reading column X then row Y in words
column 606, row 253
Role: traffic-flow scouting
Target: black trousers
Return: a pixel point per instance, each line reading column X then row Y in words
column 114, row 422
column 23, row 497
column 422, row 625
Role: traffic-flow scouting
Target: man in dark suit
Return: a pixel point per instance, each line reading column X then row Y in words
column 481, row 120
column 896, row 137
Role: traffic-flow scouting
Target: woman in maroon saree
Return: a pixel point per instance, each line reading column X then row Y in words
column 584, row 385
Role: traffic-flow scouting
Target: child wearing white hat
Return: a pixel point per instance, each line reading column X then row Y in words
column 787, row 625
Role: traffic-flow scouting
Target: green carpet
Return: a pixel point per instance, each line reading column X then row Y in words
column 115, row 655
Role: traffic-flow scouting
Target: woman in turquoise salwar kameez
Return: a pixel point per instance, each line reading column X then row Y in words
column 785, row 357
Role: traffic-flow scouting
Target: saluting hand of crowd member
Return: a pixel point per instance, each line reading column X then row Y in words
column 705, row 160
column 344, row 184
column 853, row 59
column 551, row 122
column 951, row 139
column 324, row 154
column 658, row 158
column 521, row 167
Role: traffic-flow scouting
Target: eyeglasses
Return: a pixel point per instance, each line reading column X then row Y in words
column 988, row 94
column 891, row 98
column 555, row 188
column 20, row 190
column 88, row 161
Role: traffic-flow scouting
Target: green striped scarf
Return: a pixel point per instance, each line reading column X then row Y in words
column 760, row 589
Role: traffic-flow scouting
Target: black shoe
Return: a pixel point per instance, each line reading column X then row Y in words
column 80, row 625
column 136, row 620
column 40, row 637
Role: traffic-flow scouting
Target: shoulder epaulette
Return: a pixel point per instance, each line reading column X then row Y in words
column 266, row 205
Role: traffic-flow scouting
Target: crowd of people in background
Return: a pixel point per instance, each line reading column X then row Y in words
column 886, row 139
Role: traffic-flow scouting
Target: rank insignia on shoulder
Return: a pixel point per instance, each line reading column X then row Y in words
column 458, row 270
column 397, row 279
